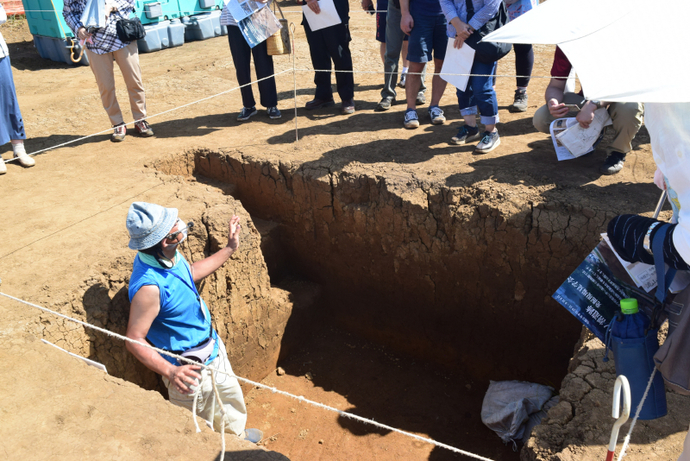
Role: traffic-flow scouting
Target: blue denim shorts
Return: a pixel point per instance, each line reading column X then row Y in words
column 428, row 35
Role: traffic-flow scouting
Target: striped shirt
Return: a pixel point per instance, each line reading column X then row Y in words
column 226, row 18
column 104, row 39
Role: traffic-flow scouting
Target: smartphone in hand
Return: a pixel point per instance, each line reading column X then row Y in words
column 574, row 101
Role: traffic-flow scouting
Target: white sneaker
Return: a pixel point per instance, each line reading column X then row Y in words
column 489, row 142
column 20, row 153
column 3, row 167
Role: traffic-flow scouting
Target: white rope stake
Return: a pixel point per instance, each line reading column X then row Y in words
column 626, row 441
column 294, row 75
column 254, row 383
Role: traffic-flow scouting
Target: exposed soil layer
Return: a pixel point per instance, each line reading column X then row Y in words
column 419, row 250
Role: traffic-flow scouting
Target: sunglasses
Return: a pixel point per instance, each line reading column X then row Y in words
column 183, row 230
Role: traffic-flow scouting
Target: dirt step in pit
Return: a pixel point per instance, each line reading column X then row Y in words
column 253, row 328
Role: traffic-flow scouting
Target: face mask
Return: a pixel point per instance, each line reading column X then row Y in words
column 185, row 230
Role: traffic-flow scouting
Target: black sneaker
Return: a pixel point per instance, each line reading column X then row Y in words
column 465, row 134
column 613, row 163
column 519, row 102
column 385, row 104
column 245, row 113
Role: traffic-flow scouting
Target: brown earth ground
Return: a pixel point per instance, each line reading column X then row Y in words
column 64, row 217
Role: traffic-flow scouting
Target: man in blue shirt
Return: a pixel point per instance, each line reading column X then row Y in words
column 168, row 312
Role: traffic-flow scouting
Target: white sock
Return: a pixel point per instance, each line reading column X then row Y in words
column 18, row 149
column 405, row 70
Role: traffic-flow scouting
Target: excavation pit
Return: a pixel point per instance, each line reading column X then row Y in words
column 410, row 286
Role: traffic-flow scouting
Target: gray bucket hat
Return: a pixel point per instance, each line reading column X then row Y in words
column 148, row 224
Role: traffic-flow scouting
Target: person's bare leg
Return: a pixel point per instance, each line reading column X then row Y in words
column 414, row 81
column 382, row 50
column 438, row 85
column 403, row 53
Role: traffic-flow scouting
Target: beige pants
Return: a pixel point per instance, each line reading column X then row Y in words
column 229, row 390
column 626, row 118
column 127, row 59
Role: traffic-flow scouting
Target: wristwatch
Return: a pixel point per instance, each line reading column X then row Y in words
column 646, row 242
column 597, row 104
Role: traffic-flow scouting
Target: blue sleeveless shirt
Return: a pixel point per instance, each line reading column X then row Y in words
column 184, row 320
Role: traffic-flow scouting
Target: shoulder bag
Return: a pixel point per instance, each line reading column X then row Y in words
column 279, row 43
column 488, row 52
column 129, row 30
column 673, row 357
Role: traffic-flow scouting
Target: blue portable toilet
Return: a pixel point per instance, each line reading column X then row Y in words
column 52, row 36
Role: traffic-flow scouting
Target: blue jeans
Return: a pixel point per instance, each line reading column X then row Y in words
column 480, row 94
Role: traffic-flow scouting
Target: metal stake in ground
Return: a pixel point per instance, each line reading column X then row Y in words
column 621, row 383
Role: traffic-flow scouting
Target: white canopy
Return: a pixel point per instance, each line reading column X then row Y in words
column 622, row 50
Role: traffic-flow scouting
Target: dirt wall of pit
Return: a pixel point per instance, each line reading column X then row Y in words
column 459, row 275
column 248, row 313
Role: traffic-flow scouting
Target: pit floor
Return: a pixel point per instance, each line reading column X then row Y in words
column 346, row 372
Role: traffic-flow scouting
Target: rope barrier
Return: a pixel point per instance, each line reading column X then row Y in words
column 152, row 116
column 274, row 390
column 127, row 200
column 294, row 70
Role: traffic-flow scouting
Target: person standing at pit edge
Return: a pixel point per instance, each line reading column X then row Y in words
column 168, row 312
column 102, row 47
column 424, row 22
column 263, row 64
column 11, row 122
column 331, row 43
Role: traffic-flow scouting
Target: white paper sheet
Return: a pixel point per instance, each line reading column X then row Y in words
column 580, row 141
column 259, row 26
column 326, row 18
column 557, row 127
column 456, row 62
column 240, row 9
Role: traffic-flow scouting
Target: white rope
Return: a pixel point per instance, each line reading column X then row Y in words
column 254, row 383
column 223, row 414
column 195, row 402
column 155, row 115
column 293, row 70
column 626, row 441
